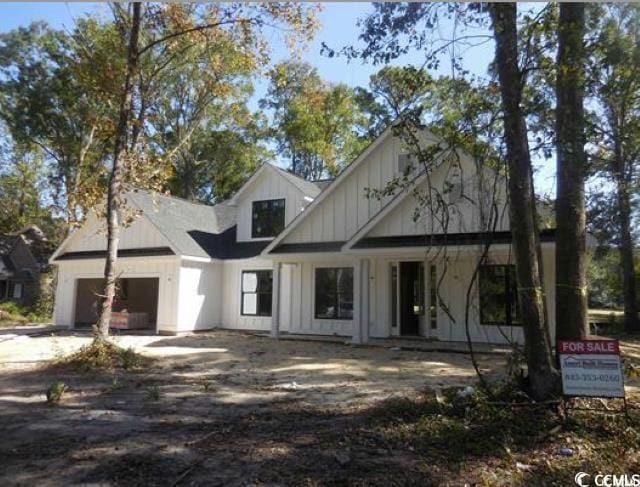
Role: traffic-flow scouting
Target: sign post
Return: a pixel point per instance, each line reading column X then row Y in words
column 591, row 368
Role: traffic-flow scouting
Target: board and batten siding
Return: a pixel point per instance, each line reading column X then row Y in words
column 166, row 269
column 269, row 186
column 468, row 213
column 92, row 236
column 300, row 315
column 347, row 208
column 231, row 296
column 453, row 289
column 199, row 296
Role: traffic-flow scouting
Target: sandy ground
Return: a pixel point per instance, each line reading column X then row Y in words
column 214, row 409
column 218, row 408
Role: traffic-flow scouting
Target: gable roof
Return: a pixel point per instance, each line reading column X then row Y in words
column 6, row 244
column 307, row 188
column 329, row 189
column 175, row 218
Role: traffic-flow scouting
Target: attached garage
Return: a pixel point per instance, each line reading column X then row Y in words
column 136, row 300
column 168, row 281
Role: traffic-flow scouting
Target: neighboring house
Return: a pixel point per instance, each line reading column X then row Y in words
column 283, row 255
column 23, row 258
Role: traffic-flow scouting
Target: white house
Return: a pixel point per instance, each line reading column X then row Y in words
column 291, row 256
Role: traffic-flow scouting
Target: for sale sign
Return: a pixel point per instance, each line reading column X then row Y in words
column 591, row 368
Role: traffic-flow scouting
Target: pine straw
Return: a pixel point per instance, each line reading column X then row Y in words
column 476, row 442
column 102, row 355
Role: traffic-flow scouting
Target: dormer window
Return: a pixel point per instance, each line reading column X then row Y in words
column 267, row 218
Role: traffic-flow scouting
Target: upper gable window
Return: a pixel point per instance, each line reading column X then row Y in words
column 405, row 164
column 267, row 218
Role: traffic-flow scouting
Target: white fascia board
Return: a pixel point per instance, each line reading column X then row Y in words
column 61, row 246
column 191, row 258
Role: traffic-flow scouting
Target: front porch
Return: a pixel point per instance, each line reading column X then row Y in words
column 408, row 293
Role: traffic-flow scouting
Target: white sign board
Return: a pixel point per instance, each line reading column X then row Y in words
column 591, row 368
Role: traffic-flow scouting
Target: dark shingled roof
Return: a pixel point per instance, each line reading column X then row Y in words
column 6, row 243
column 176, row 218
column 224, row 245
column 294, row 248
column 101, row 254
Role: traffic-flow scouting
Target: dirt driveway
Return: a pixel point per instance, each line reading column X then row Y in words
column 215, row 409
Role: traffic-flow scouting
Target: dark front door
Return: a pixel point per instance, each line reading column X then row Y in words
column 411, row 299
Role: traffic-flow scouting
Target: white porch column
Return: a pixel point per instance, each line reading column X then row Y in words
column 361, row 271
column 275, row 301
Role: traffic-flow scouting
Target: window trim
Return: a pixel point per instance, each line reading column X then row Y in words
column 315, row 300
column 510, row 303
column 284, row 218
column 257, row 293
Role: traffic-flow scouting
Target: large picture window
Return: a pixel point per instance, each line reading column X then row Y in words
column 257, row 287
column 334, row 293
column 499, row 295
column 267, row 218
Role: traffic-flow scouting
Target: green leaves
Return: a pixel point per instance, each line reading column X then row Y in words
column 317, row 124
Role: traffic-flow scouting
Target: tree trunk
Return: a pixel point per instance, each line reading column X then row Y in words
column 631, row 322
column 543, row 377
column 113, row 195
column 571, row 255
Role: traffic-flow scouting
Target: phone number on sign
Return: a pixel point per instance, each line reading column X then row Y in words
column 593, row 377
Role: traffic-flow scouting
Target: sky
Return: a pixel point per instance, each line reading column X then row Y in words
column 338, row 29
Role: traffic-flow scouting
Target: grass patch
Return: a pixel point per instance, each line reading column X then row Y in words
column 103, row 355
column 480, row 443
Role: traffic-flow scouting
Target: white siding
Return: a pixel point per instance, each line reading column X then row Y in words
column 453, row 292
column 165, row 269
column 302, row 288
column 92, row 235
column 200, row 297
column 231, row 293
column 347, row 208
column 268, row 186
column 469, row 214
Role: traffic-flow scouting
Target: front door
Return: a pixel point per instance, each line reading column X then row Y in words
column 411, row 297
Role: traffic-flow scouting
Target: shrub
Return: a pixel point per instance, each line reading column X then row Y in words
column 55, row 392
column 102, row 354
